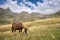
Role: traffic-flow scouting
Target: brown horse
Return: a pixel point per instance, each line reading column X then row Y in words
column 18, row 26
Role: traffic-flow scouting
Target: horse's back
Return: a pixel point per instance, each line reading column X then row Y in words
column 17, row 24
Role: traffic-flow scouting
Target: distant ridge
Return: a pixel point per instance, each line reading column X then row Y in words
column 6, row 15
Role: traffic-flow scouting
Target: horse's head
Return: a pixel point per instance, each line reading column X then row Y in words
column 25, row 30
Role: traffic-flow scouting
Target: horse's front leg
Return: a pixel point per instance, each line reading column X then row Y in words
column 20, row 30
column 15, row 30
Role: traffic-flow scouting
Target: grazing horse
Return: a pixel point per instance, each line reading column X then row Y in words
column 18, row 26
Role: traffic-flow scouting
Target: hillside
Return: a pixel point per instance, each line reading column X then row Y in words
column 7, row 16
column 37, row 15
column 57, row 14
column 47, row 29
column 25, row 16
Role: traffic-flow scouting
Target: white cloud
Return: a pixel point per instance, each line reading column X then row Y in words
column 48, row 7
column 15, row 7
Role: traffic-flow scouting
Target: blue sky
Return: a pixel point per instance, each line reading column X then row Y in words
column 41, row 6
column 2, row 2
column 33, row 1
column 18, row 1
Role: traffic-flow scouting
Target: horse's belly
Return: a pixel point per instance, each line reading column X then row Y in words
column 18, row 28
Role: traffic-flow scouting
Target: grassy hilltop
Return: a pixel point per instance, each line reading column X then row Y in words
column 47, row 29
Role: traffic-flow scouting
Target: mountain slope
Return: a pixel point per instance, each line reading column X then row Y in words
column 38, row 15
column 25, row 16
column 57, row 14
column 6, row 16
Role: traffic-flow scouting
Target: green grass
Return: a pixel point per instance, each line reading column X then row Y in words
column 48, row 29
column 52, row 21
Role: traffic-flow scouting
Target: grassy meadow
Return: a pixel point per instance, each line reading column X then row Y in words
column 47, row 29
